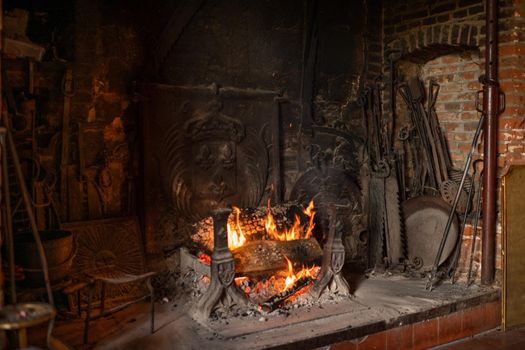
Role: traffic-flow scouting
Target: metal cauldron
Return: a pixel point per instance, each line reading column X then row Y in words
column 60, row 251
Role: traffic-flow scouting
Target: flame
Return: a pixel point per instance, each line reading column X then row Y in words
column 271, row 227
column 295, row 231
column 309, row 211
column 235, row 236
column 292, row 277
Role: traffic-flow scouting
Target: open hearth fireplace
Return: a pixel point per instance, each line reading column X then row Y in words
column 266, row 174
column 259, row 265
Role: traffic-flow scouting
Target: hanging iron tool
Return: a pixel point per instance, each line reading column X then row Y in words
column 419, row 155
column 394, row 235
column 436, row 276
column 402, row 136
column 477, row 214
column 453, row 263
column 447, row 187
column 379, row 171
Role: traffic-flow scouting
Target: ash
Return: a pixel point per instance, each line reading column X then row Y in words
column 193, row 285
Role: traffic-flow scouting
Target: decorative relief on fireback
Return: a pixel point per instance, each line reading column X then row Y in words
column 215, row 160
column 331, row 160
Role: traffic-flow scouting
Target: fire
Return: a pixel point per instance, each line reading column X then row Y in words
column 295, row 231
column 309, row 211
column 292, row 277
column 235, row 236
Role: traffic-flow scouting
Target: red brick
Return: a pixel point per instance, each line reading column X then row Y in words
column 515, row 49
column 502, row 148
column 376, row 341
column 514, row 100
column 346, row 345
column 512, row 86
column 472, row 320
column 511, row 73
column 467, row 76
column 511, row 123
column 449, row 328
column 399, row 338
column 515, row 148
column 425, row 334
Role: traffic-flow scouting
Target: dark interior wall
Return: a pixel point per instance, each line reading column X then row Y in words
column 262, row 45
column 247, row 44
column 110, row 45
column 93, row 177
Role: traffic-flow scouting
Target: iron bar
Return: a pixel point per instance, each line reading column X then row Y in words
column 491, row 109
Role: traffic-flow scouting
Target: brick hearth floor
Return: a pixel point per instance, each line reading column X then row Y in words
column 514, row 339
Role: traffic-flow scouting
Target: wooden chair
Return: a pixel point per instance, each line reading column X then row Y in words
column 105, row 278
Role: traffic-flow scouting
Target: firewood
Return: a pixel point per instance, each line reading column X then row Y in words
column 265, row 256
column 278, row 300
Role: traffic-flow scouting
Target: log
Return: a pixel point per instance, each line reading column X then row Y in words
column 279, row 299
column 261, row 257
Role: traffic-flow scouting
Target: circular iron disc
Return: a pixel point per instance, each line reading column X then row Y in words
column 425, row 221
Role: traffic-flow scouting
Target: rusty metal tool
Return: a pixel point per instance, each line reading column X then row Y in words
column 394, row 235
column 452, row 266
column 436, row 277
column 474, row 230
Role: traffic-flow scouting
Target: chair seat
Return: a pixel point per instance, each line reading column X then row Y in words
column 116, row 277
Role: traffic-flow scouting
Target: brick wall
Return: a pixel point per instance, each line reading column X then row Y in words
column 445, row 40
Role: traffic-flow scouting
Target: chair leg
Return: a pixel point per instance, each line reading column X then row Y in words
column 88, row 313
column 152, row 304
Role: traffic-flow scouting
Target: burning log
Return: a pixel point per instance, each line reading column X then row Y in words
column 279, row 299
column 270, row 256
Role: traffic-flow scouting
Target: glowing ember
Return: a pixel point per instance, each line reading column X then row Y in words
column 204, row 258
column 240, row 280
column 235, row 236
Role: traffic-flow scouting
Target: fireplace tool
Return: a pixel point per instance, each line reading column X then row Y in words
column 453, row 263
column 436, row 276
column 21, row 316
column 474, row 231
column 385, row 225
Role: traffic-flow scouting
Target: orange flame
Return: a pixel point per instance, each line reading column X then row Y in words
column 235, row 236
column 293, row 277
column 295, row 231
column 309, row 211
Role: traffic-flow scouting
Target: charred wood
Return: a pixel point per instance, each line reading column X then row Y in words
column 279, row 299
column 269, row 256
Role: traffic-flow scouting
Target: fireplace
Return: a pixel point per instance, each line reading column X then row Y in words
column 274, row 174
